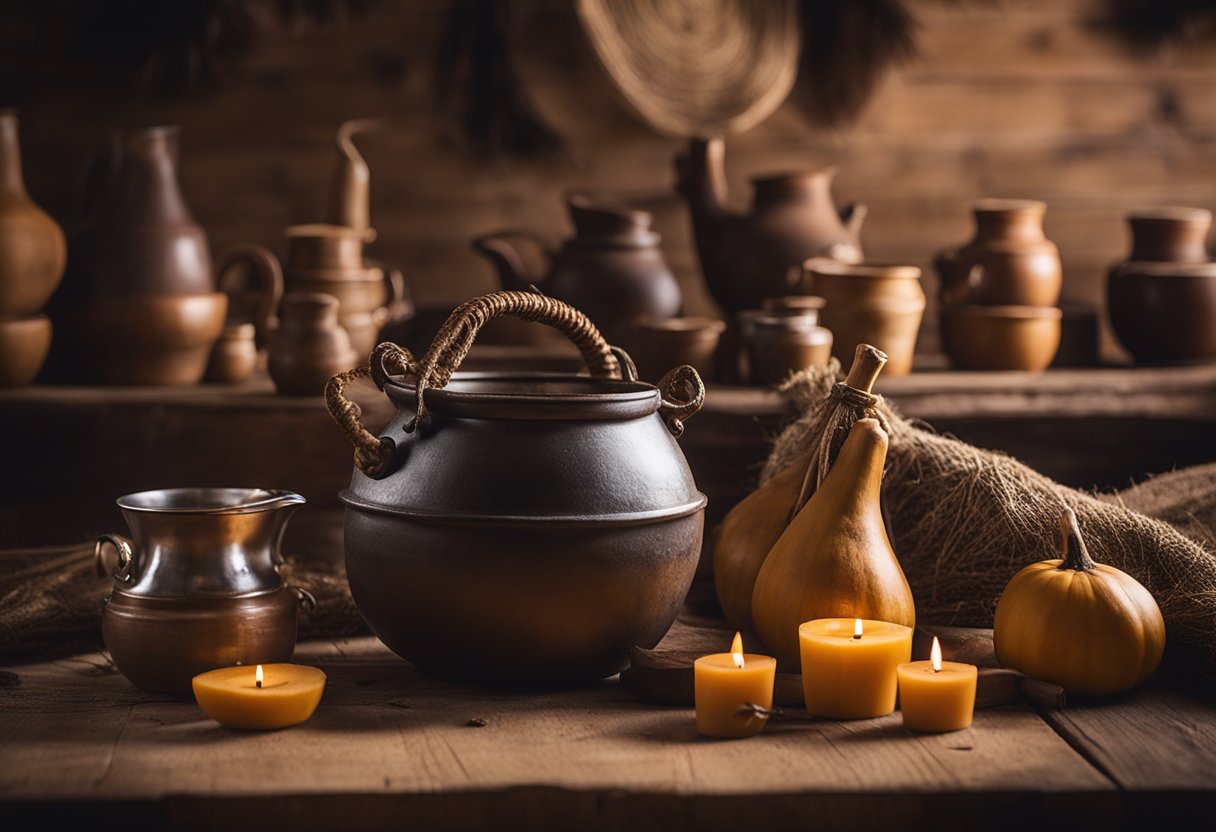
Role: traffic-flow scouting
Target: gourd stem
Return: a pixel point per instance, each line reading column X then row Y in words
column 1073, row 552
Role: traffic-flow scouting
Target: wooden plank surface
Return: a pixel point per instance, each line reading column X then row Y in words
column 70, row 731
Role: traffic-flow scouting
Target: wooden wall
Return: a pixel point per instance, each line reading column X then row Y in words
column 1017, row 99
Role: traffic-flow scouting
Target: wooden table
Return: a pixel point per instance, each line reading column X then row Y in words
column 392, row 748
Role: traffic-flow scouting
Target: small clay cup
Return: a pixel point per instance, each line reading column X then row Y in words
column 234, row 356
column 25, row 341
column 784, row 344
column 662, row 343
column 1164, row 313
column 1002, row 337
column 310, row 346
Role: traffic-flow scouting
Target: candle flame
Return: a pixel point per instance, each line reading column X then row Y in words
column 258, row 676
column 935, row 655
column 856, row 628
column 736, row 650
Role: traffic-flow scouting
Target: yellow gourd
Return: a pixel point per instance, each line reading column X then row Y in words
column 1090, row 628
column 745, row 537
column 834, row 559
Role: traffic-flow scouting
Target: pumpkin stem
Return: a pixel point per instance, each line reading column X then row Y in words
column 1073, row 551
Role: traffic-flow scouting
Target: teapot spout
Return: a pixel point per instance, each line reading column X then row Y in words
column 512, row 273
column 701, row 179
column 350, row 200
column 853, row 215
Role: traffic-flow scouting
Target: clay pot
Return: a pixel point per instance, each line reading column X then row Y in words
column 746, row 258
column 662, row 343
column 1002, row 337
column 1170, row 235
column 468, row 567
column 870, row 303
column 1164, row 313
column 323, row 246
column 197, row 586
column 612, row 269
column 807, row 306
column 142, row 340
column 1008, row 262
column 24, row 344
column 234, row 356
column 365, row 303
column 784, row 344
column 309, row 346
column 32, row 248
column 141, row 239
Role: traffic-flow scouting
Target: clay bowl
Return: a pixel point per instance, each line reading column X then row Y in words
column 25, row 341
column 146, row 341
column 661, row 344
column 1164, row 313
column 1002, row 337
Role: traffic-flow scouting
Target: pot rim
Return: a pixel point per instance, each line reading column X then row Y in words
column 1169, row 213
column 1006, row 312
column 1154, row 269
column 266, row 499
column 877, row 271
column 548, row 521
column 1003, row 205
column 615, row 400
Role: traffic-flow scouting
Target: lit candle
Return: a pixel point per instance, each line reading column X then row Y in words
column 262, row 699
column 727, row 686
column 937, row 696
column 848, row 665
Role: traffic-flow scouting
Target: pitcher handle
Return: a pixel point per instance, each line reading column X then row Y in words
column 267, row 271
column 125, row 557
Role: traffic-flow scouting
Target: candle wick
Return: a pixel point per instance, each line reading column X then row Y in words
column 258, row 682
column 857, row 636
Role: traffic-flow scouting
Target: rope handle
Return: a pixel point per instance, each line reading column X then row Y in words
column 443, row 358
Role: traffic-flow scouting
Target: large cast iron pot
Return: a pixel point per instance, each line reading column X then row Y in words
column 525, row 528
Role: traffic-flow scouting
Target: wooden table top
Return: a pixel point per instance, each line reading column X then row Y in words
column 390, row 746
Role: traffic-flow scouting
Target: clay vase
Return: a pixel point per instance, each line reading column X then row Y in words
column 1009, row 262
column 141, row 239
column 309, row 346
column 612, row 269
column 234, row 356
column 783, row 344
column 870, row 304
column 32, row 248
column 746, row 258
column 1170, row 235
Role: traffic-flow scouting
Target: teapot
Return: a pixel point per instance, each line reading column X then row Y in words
column 747, row 258
column 612, row 268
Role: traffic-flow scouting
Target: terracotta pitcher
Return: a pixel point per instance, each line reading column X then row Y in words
column 32, row 249
column 1009, row 262
column 747, row 258
column 612, row 268
column 140, row 238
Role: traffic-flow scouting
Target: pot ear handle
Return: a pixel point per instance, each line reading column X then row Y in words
column 123, row 546
column 373, row 454
column 683, row 394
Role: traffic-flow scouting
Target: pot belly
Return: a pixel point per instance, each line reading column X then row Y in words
column 525, row 603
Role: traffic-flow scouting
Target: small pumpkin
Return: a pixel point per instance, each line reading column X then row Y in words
column 1091, row 628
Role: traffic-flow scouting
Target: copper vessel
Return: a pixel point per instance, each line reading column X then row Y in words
column 197, row 584
column 522, row 528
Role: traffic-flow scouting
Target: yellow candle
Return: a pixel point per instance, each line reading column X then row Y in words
column 937, row 696
column 848, row 665
column 262, row 698
column 724, row 683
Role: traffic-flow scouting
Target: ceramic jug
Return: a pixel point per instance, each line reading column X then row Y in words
column 197, row 584
column 747, row 258
column 1009, row 261
column 309, row 345
column 611, row 269
column 32, row 248
column 140, row 238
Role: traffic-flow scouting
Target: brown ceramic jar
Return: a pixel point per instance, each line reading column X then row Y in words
column 783, row 344
column 234, row 356
column 1008, row 262
column 309, row 345
column 871, row 303
column 1170, row 235
column 1164, row 313
column 32, row 248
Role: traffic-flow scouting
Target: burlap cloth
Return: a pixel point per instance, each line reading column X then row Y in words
column 963, row 521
